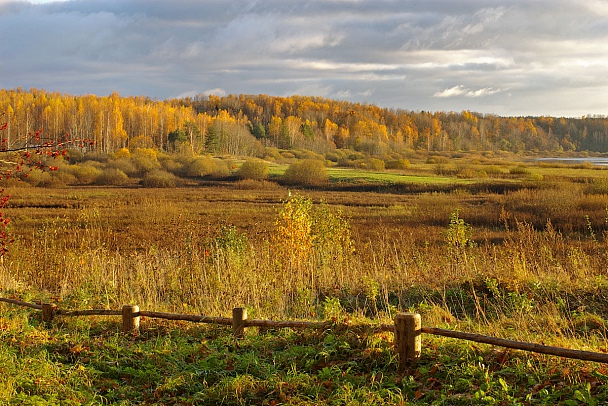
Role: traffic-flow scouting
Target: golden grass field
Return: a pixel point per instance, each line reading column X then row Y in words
column 532, row 255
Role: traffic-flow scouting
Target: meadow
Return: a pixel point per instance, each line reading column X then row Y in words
column 506, row 248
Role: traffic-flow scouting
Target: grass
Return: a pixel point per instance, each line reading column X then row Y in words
column 524, row 262
column 90, row 362
column 352, row 175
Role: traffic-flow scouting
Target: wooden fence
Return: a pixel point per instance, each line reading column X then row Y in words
column 407, row 328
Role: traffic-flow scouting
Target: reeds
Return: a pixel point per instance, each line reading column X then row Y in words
column 287, row 258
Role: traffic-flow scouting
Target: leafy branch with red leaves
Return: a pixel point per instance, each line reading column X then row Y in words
column 24, row 158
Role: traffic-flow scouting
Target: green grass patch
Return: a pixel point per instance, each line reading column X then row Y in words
column 354, row 175
column 90, row 362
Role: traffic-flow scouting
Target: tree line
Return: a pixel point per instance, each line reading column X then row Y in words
column 244, row 124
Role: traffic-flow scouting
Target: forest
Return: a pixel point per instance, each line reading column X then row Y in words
column 245, row 124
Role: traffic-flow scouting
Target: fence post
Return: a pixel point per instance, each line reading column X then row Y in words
column 130, row 319
column 239, row 316
column 408, row 342
column 47, row 312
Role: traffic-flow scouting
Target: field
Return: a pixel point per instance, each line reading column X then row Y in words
column 509, row 249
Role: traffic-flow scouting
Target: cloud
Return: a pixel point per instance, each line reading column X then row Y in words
column 391, row 53
column 461, row 90
column 216, row 92
column 452, row 92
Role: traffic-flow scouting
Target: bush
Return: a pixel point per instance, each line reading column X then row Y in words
column 255, row 169
column 306, row 154
column 520, row 170
column 597, row 187
column 175, row 167
column 125, row 165
column 435, row 159
column 44, row 179
column 287, row 155
column 75, row 155
column 272, row 154
column 159, row 178
column 493, row 170
column 95, row 156
column 398, row 164
column 63, row 178
column 145, row 160
column 122, row 153
column 84, row 173
column 306, row 172
column 250, row 184
column 465, row 173
column 445, row 170
column 222, row 168
column 371, row 164
column 207, row 166
column 332, row 156
column 112, row 177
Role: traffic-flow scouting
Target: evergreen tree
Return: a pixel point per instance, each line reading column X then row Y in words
column 212, row 142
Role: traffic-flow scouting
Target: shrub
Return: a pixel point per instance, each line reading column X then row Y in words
column 145, row 160
column 85, row 173
column 332, row 156
column 159, row 178
column 465, row 172
column 222, row 168
column 95, row 156
column 207, row 166
column 62, row 177
column 250, row 184
column 398, row 164
column 122, row 153
column 113, row 177
column 175, row 167
column 435, row 159
column 520, row 170
column 493, row 170
column 306, row 172
column 371, row 164
column 46, row 179
column 287, row 155
column 445, row 170
column 75, row 155
column 272, row 154
column 306, row 154
column 458, row 235
column 125, row 165
column 304, row 232
column 597, row 187
column 255, row 169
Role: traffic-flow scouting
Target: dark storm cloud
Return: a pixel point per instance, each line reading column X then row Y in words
column 507, row 57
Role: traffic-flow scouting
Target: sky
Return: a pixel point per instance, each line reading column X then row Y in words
column 510, row 57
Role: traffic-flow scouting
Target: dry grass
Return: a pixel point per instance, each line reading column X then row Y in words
column 533, row 263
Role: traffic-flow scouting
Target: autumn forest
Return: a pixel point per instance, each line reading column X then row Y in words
column 244, row 124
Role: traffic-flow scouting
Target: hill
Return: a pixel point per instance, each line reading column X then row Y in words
column 246, row 124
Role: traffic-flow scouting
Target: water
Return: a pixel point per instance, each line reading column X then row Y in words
column 594, row 161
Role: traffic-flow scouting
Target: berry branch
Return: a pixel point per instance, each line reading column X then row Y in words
column 25, row 158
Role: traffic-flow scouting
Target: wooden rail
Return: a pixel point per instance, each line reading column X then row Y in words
column 518, row 345
column 407, row 328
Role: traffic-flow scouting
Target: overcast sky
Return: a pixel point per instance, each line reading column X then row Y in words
column 510, row 57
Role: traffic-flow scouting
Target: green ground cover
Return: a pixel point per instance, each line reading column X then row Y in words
column 78, row 361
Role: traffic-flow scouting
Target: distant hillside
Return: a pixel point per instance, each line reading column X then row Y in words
column 245, row 124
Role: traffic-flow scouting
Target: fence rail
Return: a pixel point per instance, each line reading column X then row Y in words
column 407, row 329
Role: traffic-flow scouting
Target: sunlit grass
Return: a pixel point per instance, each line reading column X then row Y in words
column 529, row 266
column 353, row 175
